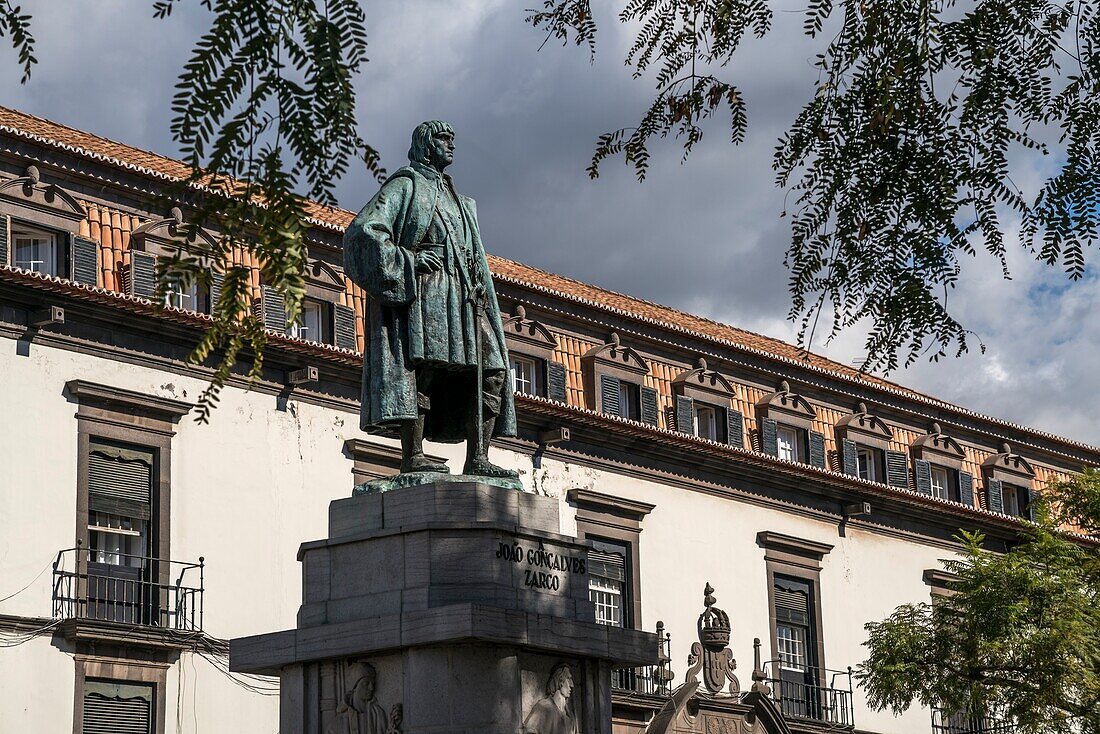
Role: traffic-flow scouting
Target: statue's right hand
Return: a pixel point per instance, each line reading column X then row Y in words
column 427, row 261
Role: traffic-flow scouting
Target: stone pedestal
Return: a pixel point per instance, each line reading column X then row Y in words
column 447, row 607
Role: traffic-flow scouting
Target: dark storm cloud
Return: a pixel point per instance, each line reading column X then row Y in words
column 705, row 236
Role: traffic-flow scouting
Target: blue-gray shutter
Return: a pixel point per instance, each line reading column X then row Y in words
column 343, row 326
column 922, row 476
column 609, row 395
column 817, row 449
column 217, row 280
column 769, row 438
column 555, row 381
column 735, row 428
column 685, row 415
column 272, row 309
column 1026, row 496
column 84, row 260
column 142, row 276
column 648, row 398
column 966, row 489
column 993, row 498
column 849, row 457
column 5, row 238
column 897, row 469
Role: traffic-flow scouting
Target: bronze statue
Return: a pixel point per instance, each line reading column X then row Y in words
column 435, row 364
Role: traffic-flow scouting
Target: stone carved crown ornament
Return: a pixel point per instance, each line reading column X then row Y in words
column 710, row 655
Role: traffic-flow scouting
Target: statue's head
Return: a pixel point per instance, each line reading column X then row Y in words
column 362, row 679
column 433, row 144
column 560, row 680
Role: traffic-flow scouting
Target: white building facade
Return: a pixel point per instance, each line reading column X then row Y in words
column 135, row 541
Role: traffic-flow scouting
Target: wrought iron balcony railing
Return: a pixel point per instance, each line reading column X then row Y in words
column 128, row 589
column 652, row 680
column 812, row 693
column 967, row 723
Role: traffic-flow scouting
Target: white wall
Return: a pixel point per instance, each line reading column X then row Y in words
column 255, row 483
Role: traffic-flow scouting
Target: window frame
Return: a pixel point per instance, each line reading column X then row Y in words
column 616, row 361
column 626, row 594
column 19, row 229
column 876, row 461
column 946, row 473
column 530, row 339
column 799, row 450
column 325, row 318
column 131, row 672
column 538, row 369
column 619, row 520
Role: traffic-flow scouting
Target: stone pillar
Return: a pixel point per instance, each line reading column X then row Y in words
column 445, row 607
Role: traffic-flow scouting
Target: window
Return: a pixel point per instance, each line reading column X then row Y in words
column 607, row 582
column 789, row 443
column 629, row 401
column 312, row 324
column 868, row 463
column 1014, row 499
column 117, row 706
column 188, row 297
column 525, row 375
column 940, row 483
column 795, row 646
column 35, row 250
column 706, row 422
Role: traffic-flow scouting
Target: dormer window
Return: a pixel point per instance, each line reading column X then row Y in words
column 938, row 468
column 614, row 378
column 786, row 427
column 313, row 323
column 1008, row 481
column 702, row 399
column 864, row 441
column 531, row 363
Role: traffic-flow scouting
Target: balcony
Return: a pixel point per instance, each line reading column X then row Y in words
column 648, row 680
column 129, row 590
column 818, row 694
column 964, row 723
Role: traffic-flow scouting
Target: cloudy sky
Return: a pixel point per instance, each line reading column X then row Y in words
column 526, row 122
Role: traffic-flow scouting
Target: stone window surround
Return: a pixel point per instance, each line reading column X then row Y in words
column 527, row 337
column 786, row 408
column 1009, row 468
column 603, row 516
column 614, row 360
column 117, row 414
column 786, row 555
column 26, row 199
column 867, row 431
column 149, row 672
column 938, row 581
column 938, row 449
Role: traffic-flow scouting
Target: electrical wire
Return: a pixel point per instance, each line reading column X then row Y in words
column 9, row 596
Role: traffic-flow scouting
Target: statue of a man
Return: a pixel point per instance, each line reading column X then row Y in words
column 554, row 713
column 416, row 250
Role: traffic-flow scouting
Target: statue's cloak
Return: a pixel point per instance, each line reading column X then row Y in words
column 409, row 325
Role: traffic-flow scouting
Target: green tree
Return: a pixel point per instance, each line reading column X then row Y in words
column 1017, row 636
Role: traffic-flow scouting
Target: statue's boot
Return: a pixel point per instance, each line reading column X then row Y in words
column 412, row 450
column 477, row 462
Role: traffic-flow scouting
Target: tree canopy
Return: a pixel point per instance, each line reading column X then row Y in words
column 1017, row 635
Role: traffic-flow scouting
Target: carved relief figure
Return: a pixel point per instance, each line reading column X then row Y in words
column 360, row 712
column 435, row 364
column 554, row 713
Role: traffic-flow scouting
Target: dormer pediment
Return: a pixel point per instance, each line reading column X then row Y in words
column 529, row 336
column 1008, row 467
column 938, row 448
column 703, row 383
column 26, row 197
column 171, row 234
column 865, row 428
column 615, row 356
column 324, row 275
column 786, row 406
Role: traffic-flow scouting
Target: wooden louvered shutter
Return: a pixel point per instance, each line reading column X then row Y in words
column 647, row 396
column 966, row 489
column 272, row 309
column 993, row 498
column 792, row 601
column 769, row 437
column 141, row 276
column 685, row 418
column 555, row 381
column 120, row 480
column 735, row 428
column 1027, row 506
column 5, row 239
column 897, row 469
column 117, row 708
column 609, row 395
column 817, row 449
column 343, row 323
column 84, row 261
column 849, row 456
column 217, row 281
column 922, row 476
